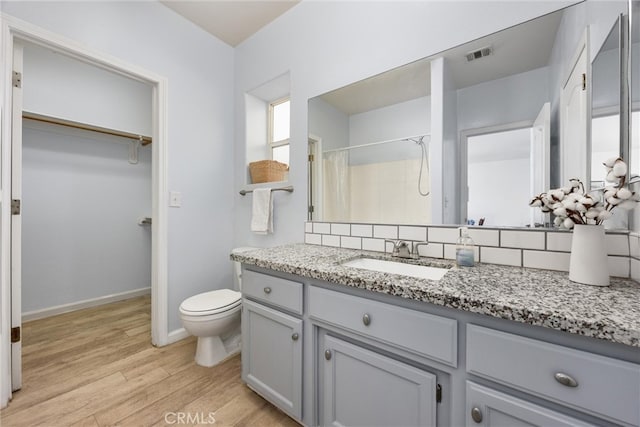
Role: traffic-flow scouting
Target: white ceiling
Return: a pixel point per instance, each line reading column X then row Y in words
column 517, row 49
column 232, row 21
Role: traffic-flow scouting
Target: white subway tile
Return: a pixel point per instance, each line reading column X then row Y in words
column 385, row 231
column 634, row 245
column 485, row 237
column 351, row 242
column 443, row 234
column 313, row 239
column 617, row 244
column 635, row 270
column 376, row 245
column 501, row 256
column 558, row 261
column 308, row 227
column 341, row 229
column 559, row 241
column 418, row 234
column 322, row 227
column 618, row 266
column 522, row 239
column 433, row 250
column 362, row 230
column 328, row 240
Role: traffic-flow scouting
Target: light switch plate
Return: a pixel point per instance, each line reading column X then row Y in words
column 175, row 199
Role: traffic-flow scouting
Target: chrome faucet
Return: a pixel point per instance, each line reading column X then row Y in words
column 400, row 248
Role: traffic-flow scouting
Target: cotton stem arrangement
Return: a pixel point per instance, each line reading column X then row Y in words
column 572, row 205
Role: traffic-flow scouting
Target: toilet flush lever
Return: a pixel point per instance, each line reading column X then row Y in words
column 267, row 290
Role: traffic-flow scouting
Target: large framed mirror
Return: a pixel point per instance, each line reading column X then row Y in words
column 376, row 158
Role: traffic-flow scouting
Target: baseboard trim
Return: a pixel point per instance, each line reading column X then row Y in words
column 88, row 303
column 177, row 335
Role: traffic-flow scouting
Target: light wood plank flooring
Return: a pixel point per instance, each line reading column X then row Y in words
column 96, row 367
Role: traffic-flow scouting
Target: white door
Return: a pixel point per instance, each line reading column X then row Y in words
column 16, row 225
column 573, row 121
column 540, row 159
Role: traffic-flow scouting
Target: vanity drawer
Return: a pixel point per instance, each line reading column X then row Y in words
column 426, row 335
column 605, row 386
column 276, row 291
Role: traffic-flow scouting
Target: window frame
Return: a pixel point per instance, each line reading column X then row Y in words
column 275, row 144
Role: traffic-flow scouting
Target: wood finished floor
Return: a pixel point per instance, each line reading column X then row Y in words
column 96, row 367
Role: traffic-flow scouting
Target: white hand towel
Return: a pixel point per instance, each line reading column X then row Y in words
column 262, row 219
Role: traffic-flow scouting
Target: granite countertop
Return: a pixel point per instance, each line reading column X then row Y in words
column 537, row 297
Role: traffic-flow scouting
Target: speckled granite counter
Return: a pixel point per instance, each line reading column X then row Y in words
column 537, row 297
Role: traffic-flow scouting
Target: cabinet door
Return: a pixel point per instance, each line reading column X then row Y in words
column 489, row 408
column 272, row 356
column 363, row 388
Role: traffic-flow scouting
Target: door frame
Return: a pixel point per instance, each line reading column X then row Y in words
column 464, row 164
column 14, row 29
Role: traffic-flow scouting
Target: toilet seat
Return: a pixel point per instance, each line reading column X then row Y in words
column 213, row 302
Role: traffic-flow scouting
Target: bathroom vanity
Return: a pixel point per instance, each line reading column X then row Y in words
column 490, row 345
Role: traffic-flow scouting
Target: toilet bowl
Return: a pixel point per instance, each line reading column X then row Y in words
column 214, row 318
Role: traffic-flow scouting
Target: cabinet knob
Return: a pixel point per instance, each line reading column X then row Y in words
column 565, row 379
column 267, row 290
column 327, row 354
column 366, row 319
column 476, row 414
column 295, row 336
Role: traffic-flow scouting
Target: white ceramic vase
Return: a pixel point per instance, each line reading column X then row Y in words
column 588, row 263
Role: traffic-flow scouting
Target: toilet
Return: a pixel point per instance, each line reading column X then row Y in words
column 214, row 317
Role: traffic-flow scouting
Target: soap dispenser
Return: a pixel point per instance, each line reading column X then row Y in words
column 464, row 249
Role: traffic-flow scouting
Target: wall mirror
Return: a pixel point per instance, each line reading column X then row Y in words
column 373, row 152
column 635, row 90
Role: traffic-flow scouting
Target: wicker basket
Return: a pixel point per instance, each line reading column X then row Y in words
column 267, row 171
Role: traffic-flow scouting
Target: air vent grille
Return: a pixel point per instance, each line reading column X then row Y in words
column 480, row 53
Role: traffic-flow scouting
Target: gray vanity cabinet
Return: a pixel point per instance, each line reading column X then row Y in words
column 272, row 342
column 361, row 387
column 490, row 408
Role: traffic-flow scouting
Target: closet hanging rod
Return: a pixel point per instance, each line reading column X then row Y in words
column 144, row 140
column 288, row 189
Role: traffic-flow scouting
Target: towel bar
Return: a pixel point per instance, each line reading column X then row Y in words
column 288, row 189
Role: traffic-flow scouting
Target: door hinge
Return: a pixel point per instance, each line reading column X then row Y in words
column 311, row 209
column 15, row 207
column 311, row 157
column 15, row 334
column 17, row 79
column 584, row 81
column 438, row 393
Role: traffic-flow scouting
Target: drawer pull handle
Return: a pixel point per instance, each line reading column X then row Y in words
column 327, row 354
column 565, row 379
column 476, row 414
column 295, row 336
column 267, row 290
column 366, row 319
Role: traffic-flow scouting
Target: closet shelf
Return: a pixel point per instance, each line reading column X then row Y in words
column 144, row 140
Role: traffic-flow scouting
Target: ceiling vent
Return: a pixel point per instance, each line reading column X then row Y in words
column 480, row 53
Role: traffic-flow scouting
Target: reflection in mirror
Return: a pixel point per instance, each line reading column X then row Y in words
column 508, row 80
column 605, row 112
column 635, row 89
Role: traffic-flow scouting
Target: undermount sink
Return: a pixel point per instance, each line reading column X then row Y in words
column 393, row 267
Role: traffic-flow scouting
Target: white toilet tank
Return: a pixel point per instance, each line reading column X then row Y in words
column 237, row 270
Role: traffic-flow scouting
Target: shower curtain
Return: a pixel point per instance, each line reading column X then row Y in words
column 336, row 186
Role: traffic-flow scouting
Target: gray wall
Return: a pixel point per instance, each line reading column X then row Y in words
column 81, row 202
column 199, row 70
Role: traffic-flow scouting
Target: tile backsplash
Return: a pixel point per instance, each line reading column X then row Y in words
column 545, row 249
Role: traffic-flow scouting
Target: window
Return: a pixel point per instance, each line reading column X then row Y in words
column 279, row 127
